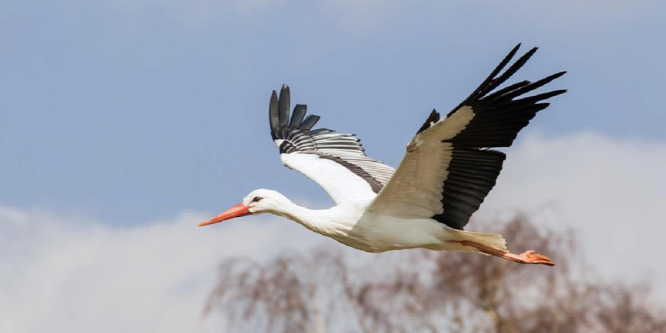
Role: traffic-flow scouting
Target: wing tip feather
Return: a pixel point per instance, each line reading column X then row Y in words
column 280, row 119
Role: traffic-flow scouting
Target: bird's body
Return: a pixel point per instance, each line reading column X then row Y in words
column 351, row 223
column 448, row 169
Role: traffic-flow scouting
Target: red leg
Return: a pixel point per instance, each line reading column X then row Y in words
column 527, row 257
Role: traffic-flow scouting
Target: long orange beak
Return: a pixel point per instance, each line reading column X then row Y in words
column 235, row 211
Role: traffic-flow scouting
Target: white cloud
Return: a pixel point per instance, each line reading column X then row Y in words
column 70, row 274
column 73, row 274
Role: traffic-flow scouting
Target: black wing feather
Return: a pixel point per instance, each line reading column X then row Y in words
column 274, row 114
column 284, row 105
column 309, row 122
column 298, row 115
column 498, row 117
column 472, row 174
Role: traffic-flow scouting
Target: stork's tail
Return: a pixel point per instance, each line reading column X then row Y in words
column 494, row 241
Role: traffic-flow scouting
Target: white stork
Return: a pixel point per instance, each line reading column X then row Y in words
column 447, row 171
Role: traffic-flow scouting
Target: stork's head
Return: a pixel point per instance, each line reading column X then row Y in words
column 257, row 202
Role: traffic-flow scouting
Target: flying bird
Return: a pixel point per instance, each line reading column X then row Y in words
column 448, row 169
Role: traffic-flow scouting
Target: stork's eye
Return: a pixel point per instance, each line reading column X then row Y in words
column 256, row 199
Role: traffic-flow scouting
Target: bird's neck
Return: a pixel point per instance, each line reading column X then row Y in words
column 320, row 221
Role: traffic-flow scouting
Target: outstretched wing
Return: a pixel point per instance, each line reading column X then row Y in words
column 449, row 167
column 335, row 161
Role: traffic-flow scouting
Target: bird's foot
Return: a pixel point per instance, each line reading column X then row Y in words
column 528, row 257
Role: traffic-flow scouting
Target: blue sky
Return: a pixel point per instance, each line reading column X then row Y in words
column 134, row 110
column 124, row 123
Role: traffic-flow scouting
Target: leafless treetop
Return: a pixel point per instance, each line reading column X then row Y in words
column 426, row 291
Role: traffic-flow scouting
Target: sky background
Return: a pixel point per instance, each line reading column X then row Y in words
column 124, row 123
